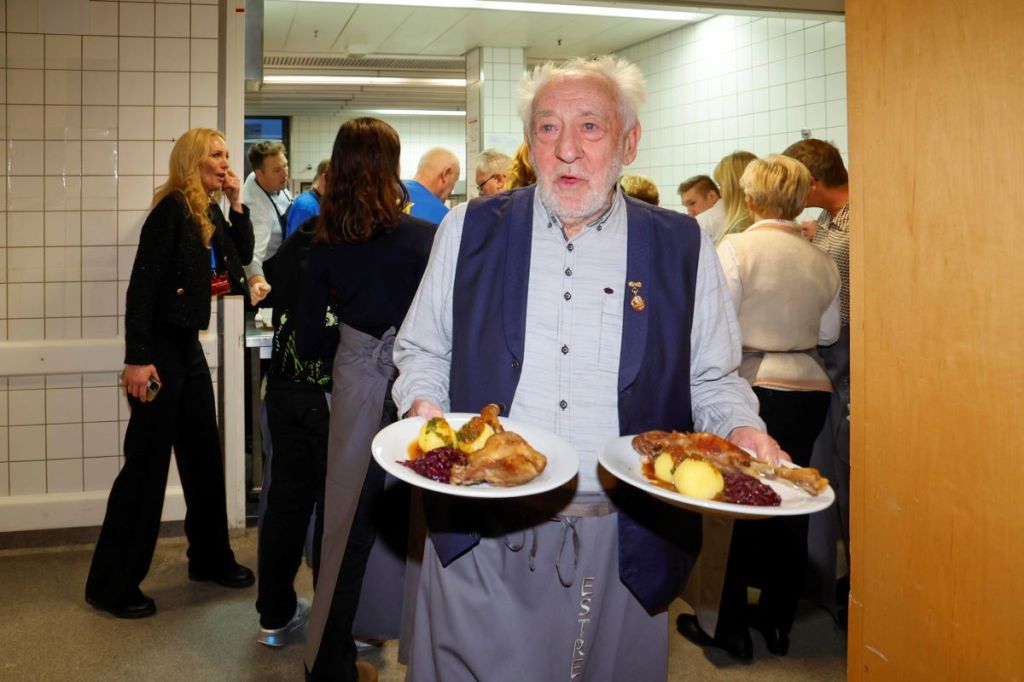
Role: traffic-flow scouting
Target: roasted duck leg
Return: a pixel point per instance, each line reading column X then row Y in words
column 725, row 457
column 505, row 460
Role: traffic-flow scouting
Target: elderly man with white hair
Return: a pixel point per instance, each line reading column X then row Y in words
column 590, row 315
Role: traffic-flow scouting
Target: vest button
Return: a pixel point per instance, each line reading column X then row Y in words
column 515, row 364
column 180, row 292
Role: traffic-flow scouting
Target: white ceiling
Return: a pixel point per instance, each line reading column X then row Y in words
column 352, row 38
column 360, row 39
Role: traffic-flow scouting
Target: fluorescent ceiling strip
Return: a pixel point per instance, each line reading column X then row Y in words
column 299, row 79
column 538, row 7
column 415, row 112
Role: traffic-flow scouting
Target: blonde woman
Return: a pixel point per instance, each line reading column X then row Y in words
column 727, row 174
column 521, row 174
column 187, row 252
column 786, row 295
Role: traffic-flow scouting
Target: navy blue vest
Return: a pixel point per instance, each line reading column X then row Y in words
column 657, row 542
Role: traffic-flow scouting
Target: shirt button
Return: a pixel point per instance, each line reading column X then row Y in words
column 568, row 272
column 567, row 295
column 570, row 247
column 565, row 350
column 180, row 292
column 563, row 404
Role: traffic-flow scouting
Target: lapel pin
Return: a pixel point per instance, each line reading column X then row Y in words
column 637, row 302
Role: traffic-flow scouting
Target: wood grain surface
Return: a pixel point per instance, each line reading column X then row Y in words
column 937, row 275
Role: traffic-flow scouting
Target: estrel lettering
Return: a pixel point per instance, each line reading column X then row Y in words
column 578, row 645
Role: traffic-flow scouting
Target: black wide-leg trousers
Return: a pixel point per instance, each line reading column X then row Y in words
column 772, row 553
column 182, row 416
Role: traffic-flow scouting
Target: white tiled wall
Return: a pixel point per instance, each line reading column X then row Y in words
column 731, row 83
column 313, row 139
column 92, row 95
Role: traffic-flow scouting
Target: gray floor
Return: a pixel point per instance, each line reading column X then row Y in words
column 205, row 632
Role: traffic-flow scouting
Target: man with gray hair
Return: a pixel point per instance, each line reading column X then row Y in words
column 491, row 170
column 592, row 316
column 436, row 175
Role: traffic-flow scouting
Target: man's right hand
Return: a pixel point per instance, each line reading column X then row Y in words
column 258, row 289
column 425, row 409
column 809, row 229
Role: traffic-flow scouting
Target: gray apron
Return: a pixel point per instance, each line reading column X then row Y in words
column 539, row 598
column 362, row 370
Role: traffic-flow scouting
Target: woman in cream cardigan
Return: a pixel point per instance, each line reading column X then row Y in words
column 786, row 295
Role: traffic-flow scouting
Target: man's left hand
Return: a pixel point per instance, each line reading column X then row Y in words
column 765, row 446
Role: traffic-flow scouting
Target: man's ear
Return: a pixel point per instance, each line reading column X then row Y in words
column 630, row 144
column 750, row 203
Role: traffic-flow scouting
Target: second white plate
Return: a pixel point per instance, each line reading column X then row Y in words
column 624, row 463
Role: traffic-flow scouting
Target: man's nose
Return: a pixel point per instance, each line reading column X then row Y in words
column 567, row 147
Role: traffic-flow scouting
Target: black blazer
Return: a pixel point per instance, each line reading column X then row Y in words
column 170, row 281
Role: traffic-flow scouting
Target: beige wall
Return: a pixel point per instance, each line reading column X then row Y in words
column 937, row 167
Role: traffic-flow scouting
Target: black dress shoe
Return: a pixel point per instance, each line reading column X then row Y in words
column 137, row 606
column 776, row 641
column 237, row 577
column 736, row 643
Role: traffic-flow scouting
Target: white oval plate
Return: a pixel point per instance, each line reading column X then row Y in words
column 624, row 463
column 390, row 447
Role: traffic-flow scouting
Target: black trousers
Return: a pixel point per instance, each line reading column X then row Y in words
column 772, row 553
column 336, row 659
column 299, row 419
column 183, row 415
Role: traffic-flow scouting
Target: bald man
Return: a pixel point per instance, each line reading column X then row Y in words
column 436, row 175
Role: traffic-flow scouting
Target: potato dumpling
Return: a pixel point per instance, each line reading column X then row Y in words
column 664, row 465
column 473, row 435
column 697, row 478
column 436, row 433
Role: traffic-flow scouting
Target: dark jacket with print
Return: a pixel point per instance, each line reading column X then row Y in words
column 170, row 281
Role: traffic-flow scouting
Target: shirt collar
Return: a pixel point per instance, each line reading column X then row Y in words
column 839, row 221
column 553, row 221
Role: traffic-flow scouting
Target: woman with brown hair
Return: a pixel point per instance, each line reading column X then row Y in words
column 369, row 257
column 187, row 251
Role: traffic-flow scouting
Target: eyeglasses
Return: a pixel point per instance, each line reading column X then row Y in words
column 480, row 186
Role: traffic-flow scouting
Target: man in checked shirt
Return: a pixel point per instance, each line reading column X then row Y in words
column 830, row 191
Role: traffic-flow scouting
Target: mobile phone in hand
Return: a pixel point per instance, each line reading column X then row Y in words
column 152, row 389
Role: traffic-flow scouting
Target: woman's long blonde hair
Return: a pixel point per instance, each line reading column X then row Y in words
column 727, row 174
column 188, row 152
column 520, row 173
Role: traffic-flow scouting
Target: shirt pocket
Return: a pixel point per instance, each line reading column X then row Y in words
column 610, row 341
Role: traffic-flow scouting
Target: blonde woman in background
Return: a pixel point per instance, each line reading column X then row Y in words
column 640, row 187
column 786, row 295
column 188, row 252
column 521, row 174
column 727, row 174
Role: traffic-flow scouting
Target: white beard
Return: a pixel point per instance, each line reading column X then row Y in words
column 587, row 205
